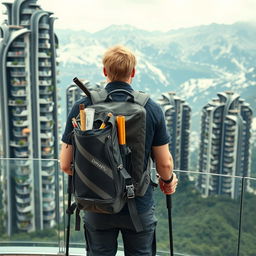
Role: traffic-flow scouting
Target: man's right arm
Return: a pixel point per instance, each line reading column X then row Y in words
column 164, row 166
column 163, row 161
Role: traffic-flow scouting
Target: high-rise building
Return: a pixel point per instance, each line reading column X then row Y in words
column 177, row 115
column 225, row 144
column 28, row 127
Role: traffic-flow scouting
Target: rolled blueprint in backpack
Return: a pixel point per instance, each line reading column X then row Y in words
column 89, row 118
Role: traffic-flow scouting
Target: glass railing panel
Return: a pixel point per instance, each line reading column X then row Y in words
column 247, row 245
column 204, row 223
column 31, row 202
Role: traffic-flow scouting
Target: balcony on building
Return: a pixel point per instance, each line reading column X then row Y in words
column 44, row 36
column 24, row 217
column 19, row 44
column 21, row 154
column 15, row 64
column 44, row 46
column 18, row 82
column 46, row 91
column 25, row 225
column 46, row 129
column 48, row 163
column 49, row 187
column 49, row 206
column 228, row 153
column 18, row 93
column 45, row 73
column 48, row 180
column 18, row 73
column 229, row 144
column 20, row 123
column 23, row 200
column 45, row 82
column 24, row 207
column 23, row 190
column 47, row 143
column 19, row 134
column 46, row 135
column 47, row 152
column 46, row 109
column 23, row 180
column 20, row 112
column 230, row 133
column 16, row 54
column 44, row 63
column 47, row 172
column 19, row 144
column 44, row 55
column 22, row 170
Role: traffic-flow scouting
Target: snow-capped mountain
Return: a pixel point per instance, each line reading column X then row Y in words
column 195, row 62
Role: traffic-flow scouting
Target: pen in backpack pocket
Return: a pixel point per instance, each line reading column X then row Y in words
column 104, row 123
column 74, row 123
column 82, row 117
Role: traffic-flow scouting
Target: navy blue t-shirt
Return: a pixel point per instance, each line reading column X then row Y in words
column 156, row 133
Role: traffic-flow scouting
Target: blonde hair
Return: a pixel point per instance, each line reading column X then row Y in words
column 119, row 63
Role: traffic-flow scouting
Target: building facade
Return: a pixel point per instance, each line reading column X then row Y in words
column 28, row 126
column 177, row 115
column 224, row 144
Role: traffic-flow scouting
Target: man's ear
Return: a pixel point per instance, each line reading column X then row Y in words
column 105, row 72
column 133, row 72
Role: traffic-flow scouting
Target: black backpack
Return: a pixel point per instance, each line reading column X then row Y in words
column 105, row 174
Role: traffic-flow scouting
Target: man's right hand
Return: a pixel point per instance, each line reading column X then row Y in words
column 168, row 188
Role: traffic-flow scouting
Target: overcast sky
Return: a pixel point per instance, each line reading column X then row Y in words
column 164, row 15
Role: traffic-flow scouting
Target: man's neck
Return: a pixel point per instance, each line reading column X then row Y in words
column 128, row 81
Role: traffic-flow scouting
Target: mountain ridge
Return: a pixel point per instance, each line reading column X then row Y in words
column 194, row 62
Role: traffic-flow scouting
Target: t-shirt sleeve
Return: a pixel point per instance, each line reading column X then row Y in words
column 161, row 135
column 66, row 137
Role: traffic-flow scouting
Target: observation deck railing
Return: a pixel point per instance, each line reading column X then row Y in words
column 212, row 214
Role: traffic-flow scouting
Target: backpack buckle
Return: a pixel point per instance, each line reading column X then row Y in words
column 130, row 191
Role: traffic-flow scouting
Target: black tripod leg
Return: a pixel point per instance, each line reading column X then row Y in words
column 169, row 208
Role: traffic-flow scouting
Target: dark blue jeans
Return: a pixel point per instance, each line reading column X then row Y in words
column 101, row 232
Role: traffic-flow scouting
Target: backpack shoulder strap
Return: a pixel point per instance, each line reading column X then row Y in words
column 140, row 98
column 98, row 96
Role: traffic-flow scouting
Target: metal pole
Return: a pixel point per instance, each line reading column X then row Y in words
column 69, row 190
column 240, row 217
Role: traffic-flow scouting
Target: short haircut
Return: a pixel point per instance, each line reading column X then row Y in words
column 119, row 63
